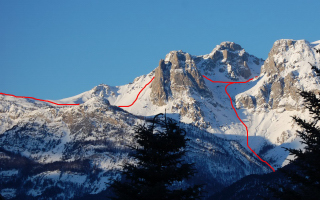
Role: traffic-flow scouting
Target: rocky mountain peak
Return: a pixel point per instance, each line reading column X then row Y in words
column 285, row 72
column 229, row 46
column 287, row 51
column 231, row 60
column 175, row 57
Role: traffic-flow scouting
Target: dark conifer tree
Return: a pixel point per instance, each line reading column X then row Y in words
column 159, row 165
column 304, row 178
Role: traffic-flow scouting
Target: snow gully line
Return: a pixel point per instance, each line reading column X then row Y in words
column 138, row 94
column 39, row 100
column 230, row 83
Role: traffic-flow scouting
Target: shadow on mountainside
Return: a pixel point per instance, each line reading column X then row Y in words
column 220, row 162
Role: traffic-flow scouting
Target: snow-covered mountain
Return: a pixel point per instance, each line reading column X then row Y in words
column 50, row 151
column 65, row 152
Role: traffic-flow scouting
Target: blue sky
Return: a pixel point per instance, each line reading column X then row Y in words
column 57, row 49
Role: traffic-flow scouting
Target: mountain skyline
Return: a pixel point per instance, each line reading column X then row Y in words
column 57, row 50
column 110, row 85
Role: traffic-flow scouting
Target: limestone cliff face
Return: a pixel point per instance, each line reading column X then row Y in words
column 178, row 85
column 175, row 77
column 285, row 72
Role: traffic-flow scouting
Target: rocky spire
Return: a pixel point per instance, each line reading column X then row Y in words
column 176, row 76
column 160, row 90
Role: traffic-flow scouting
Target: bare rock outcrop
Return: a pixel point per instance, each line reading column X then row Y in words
column 160, row 92
column 175, row 77
column 177, row 81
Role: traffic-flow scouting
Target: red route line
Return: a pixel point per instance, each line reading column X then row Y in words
column 39, row 100
column 138, row 94
column 230, row 83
